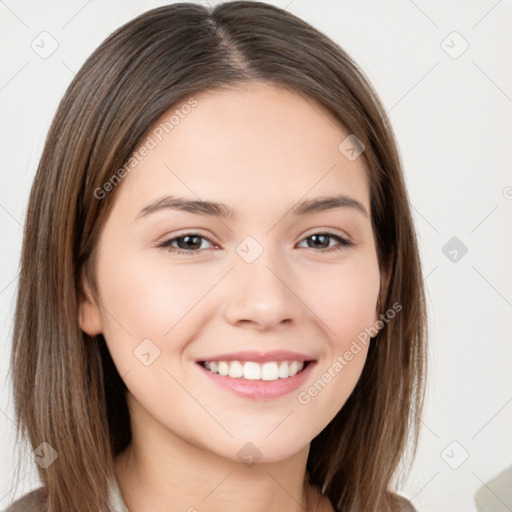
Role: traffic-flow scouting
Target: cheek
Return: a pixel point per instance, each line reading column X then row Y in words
column 346, row 303
column 143, row 299
column 345, row 300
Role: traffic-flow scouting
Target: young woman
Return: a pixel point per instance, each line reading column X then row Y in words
column 220, row 303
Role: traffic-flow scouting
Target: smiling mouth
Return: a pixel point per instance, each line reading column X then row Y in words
column 252, row 370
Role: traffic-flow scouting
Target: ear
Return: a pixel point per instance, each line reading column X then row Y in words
column 89, row 314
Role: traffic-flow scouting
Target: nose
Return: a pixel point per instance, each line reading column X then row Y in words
column 262, row 294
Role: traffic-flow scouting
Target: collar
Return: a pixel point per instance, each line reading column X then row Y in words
column 117, row 503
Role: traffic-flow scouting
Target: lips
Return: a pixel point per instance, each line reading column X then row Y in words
column 259, row 357
column 255, row 374
column 259, row 389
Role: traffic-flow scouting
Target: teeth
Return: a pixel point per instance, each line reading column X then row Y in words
column 236, row 370
column 250, row 370
column 269, row 371
column 283, row 370
column 223, row 368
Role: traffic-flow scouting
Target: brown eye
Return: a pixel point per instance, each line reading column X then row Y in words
column 322, row 241
column 188, row 243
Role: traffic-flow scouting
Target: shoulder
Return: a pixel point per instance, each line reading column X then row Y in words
column 404, row 504
column 33, row 501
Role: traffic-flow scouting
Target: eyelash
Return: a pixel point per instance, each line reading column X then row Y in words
column 343, row 243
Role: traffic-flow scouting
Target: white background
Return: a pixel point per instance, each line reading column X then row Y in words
column 453, row 121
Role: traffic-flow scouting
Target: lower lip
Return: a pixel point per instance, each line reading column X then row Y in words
column 260, row 389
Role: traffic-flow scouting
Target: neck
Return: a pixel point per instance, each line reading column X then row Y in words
column 160, row 471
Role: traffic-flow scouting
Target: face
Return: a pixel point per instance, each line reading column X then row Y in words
column 270, row 281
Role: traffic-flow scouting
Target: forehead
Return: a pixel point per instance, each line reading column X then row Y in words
column 248, row 147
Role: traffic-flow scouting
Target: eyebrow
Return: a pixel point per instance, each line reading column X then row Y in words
column 215, row 209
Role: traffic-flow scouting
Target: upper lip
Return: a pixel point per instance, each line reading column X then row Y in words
column 260, row 357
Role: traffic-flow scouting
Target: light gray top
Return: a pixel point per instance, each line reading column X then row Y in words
column 117, row 503
column 33, row 501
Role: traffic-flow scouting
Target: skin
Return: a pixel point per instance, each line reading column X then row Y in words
column 259, row 149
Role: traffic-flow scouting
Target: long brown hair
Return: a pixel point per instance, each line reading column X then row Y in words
column 67, row 391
